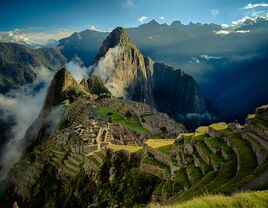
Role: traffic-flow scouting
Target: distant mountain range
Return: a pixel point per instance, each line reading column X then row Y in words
column 228, row 62
column 19, row 64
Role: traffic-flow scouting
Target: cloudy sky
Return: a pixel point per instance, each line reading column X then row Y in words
column 51, row 19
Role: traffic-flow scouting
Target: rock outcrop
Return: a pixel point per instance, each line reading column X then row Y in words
column 127, row 73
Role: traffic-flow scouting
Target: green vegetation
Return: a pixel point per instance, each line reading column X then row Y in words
column 182, row 179
column 153, row 161
column 158, row 136
column 247, row 162
column 246, row 200
column 166, row 149
column 202, row 129
column 262, row 122
column 112, row 115
column 158, row 143
column 194, row 173
column 219, row 126
column 94, row 160
column 129, row 148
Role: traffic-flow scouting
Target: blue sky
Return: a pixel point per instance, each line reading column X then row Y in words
column 111, row 13
column 67, row 16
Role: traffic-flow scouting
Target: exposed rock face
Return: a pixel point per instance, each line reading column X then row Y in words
column 126, row 73
column 96, row 86
column 120, row 65
column 55, row 94
column 174, row 91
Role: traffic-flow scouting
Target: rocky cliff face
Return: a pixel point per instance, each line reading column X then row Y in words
column 60, row 83
column 175, row 92
column 120, row 65
column 127, row 73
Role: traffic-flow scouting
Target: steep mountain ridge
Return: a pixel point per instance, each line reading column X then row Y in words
column 127, row 73
column 18, row 63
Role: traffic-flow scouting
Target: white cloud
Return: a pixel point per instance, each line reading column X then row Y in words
column 214, row 12
column 142, row 18
column 77, row 69
column 242, row 31
column 34, row 37
column 222, row 32
column 105, row 69
column 128, row 3
column 162, row 18
column 93, row 27
column 23, row 105
column 207, row 57
column 241, row 21
column 252, row 6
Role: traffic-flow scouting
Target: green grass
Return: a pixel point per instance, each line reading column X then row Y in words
column 262, row 122
column 248, row 163
column 246, row 200
column 157, row 143
column 156, row 137
column 194, row 173
column 219, row 143
column 155, row 162
column 202, row 129
column 182, row 179
column 166, row 149
column 197, row 189
column 226, row 173
column 111, row 114
column 219, row 126
column 100, row 154
column 129, row 148
column 215, row 158
column 94, row 160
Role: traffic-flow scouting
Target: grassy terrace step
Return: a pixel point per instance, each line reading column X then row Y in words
column 128, row 148
column 247, row 162
column 215, row 144
column 71, row 165
column 200, row 145
column 74, row 160
column 69, row 170
column 78, row 157
column 197, row 189
column 194, row 173
column 94, row 160
column 164, row 145
column 181, row 178
column 226, row 173
column 113, row 115
column 157, row 163
column 202, row 164
column 57, row 152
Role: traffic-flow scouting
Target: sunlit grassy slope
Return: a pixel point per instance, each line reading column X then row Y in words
column 114, row 116
column 257, row 199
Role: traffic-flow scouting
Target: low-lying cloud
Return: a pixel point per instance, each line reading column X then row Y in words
column 23, row 105
column 105, row 69
column 78, row 70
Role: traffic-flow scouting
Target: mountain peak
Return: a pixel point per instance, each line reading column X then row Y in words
column 61, row 81
column 118, row 37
